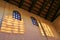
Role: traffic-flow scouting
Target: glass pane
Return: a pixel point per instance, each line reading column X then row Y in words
column 16, row 15
column 34, row 21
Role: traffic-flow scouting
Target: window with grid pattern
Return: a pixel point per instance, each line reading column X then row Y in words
column 13, row 23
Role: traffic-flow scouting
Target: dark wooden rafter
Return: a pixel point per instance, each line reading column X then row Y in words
column 14, row 2
column 42, row 7
column 46, row 8
column 55, row 15
column 26, row 4
column 32, row 5
column 21, row 3
column 7, row 0
column 49, row 9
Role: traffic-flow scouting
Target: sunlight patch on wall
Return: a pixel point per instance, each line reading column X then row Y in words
column 11, row 25
column 47, row 30
column 41, row 30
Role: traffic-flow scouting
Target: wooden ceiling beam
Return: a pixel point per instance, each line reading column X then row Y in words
column 32, row 5
column 7, row 0
column 49, row 9
column 55, row 15
column 21, row 3
column 42, row 7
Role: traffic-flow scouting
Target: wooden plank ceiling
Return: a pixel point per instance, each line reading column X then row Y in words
column 47, row 9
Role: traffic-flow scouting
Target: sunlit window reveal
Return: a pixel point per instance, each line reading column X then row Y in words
column 47, row 30
column 41, row 30
column 13, row 23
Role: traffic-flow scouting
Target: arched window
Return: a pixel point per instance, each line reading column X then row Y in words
column 16, row 15
column 34, row 21
column 13, row 23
